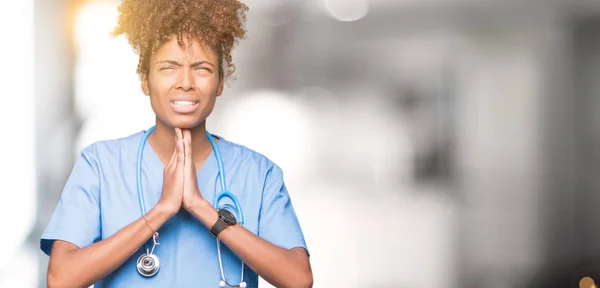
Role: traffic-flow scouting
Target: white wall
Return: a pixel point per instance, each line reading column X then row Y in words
column 17, row 113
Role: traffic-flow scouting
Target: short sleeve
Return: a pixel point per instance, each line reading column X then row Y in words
column 76, row 218
column 278, row 222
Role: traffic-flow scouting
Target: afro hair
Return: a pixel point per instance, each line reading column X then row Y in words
column 148, row 24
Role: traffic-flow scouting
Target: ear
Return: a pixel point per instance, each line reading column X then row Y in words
column 145, row 84
column 220, row 88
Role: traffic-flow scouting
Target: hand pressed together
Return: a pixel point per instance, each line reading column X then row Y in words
column 191, row 193
column 173, row 175
column 180, row 186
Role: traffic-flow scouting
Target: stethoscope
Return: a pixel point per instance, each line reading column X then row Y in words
column 148, row 263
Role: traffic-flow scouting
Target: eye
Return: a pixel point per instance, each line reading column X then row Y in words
column 203, row 69
column 168, row 71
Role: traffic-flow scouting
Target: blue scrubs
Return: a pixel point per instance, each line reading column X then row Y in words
column 100, row 198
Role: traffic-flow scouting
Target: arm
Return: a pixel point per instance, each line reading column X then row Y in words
column 71, row 266
column 278, row 266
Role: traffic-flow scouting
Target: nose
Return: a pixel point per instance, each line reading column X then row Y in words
column 186, row 80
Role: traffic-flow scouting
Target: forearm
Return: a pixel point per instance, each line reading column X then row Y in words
column 83, row 267
column 278, row 266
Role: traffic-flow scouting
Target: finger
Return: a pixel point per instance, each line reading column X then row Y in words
column 175, row 152
column 173, row 158
column 187, row 134
column 187, row 140
column 177, row 133
column 181, row 138
column 180, row 152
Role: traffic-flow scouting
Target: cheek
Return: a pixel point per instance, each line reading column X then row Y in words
column 208, row 85
column 158, row 86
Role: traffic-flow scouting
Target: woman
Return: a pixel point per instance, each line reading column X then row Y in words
column 100, row 232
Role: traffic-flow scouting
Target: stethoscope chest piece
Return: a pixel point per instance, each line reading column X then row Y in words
column 148, row 265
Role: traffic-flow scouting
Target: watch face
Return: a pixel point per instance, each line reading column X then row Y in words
column 227, row 217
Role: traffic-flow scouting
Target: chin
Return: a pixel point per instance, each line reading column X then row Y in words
column 184, row 122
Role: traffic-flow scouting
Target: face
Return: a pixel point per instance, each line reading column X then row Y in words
column 183, row 83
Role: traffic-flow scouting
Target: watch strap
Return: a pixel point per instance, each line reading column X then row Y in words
column 219, row 226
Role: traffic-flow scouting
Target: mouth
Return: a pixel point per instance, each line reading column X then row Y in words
column 184, row 107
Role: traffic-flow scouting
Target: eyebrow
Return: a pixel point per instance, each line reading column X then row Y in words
column 172, row 62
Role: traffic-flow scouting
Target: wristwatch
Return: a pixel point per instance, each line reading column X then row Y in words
column 225, row 219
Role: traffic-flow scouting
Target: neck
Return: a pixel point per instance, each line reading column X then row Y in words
column 162, row 141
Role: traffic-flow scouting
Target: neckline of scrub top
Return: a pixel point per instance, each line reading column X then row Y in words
column 210, row 160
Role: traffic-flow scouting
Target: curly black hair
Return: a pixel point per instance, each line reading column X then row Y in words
column 148, row 24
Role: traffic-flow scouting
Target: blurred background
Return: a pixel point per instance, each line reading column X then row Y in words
column 464, row 133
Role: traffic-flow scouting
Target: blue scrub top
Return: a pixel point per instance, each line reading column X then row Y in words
column 100, row 198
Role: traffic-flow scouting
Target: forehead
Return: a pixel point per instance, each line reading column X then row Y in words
column 193, row 50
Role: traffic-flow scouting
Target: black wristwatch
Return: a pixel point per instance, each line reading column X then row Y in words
column 225, row 219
